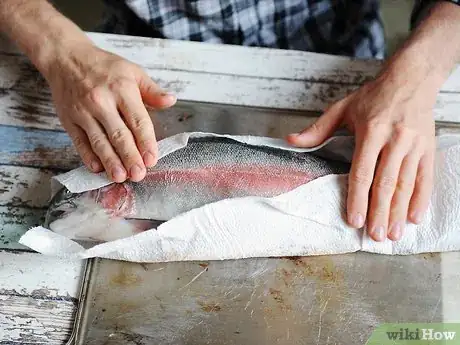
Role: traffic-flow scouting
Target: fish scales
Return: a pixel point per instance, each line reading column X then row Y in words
column 206, row 170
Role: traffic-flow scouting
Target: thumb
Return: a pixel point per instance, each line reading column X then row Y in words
column 153, row 95
column 320, row 130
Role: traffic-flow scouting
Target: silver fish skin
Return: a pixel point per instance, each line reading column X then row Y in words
column 206, row 170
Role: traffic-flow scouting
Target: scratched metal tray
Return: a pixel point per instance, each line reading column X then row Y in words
column 315, row 300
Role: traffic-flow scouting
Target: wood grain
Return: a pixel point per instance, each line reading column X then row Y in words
column 28, row 320
column 24, row 187
column 15, row 221
column 37, row 298
column 38, row 148
column 40, row 276
column 252, row 77
column 38, row 293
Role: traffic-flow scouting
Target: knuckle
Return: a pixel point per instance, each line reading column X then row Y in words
column 425, row 175
column 97, row 142
column 77, row 108
column 120, row 136
column 315, row 127
column 361, row 176
column 86, row 83
column 385, row 183
column 405, row 185
column 140, row 124
column 97, row 96
column 379, row 211
column 403, row 133
column 79, row 143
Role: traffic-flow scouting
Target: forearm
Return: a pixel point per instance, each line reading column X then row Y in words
column 39, row 30
column 432, row 50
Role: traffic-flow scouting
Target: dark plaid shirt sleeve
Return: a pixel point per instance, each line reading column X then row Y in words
column 422, row 7
column 341, row 27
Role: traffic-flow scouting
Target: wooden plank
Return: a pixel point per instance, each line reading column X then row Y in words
column 25, row 105
column 243, row 61
column 208, row 58
column 14, row 222
column 38, row 298
column 37, row 148
column 39, row 276
column 24, row 95
column 24, row 187
column 253, row 77
column 28, row 320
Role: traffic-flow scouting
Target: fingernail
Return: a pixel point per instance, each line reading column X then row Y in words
column 118, row 173
column 95, row 166
column 417, row 217
column 167, row 94
column 379, row 233
column 396, row 231
column 358, row 221
column 135, row 172
column 149, row 159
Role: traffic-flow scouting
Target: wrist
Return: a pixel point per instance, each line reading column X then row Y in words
column 56, row 56
column 426, row 59
column 412, row 70
column 60, row 41
column 405, row 78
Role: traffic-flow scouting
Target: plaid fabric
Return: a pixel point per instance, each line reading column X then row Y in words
column 340, row 27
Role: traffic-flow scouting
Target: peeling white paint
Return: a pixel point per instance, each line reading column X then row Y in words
column 32, row 273
column 49, row 324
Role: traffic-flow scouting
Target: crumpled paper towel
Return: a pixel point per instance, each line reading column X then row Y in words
column 306, row 221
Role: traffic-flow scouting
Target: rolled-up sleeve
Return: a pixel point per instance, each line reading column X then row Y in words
column 422, row 8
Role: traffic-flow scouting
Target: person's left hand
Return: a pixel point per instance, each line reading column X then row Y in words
column 391, row 174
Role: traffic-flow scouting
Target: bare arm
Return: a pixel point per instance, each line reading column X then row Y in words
column 392, row 170
column 40, row 31
column 432, row 50
column 99, row 97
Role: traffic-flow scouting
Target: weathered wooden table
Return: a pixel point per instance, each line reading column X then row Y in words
column 287, row 89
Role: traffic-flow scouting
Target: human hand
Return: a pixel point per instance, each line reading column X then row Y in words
column 99, row 98
column 391, row 176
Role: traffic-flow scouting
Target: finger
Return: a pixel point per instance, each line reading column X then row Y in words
column 401, row 198
column 123, row 142
column 104, row 108
column 103, row 149
column 367, row 150
column 153, row 95
column 138, row 120
column 83, row 147
column 320, row 130
column 423, row 188
column 383, row 187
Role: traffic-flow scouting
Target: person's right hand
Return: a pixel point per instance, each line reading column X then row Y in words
column 100, row 99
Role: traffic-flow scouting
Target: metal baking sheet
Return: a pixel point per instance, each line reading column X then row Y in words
column 314, row 300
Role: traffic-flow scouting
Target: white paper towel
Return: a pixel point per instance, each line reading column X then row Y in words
column 306, row 221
